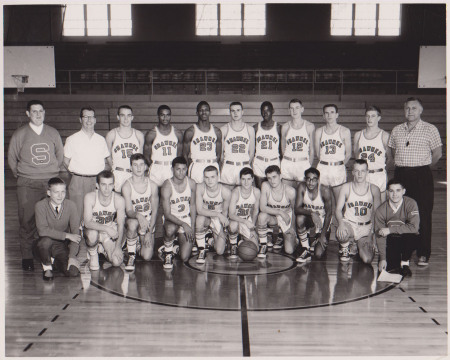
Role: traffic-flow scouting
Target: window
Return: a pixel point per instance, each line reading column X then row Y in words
column 97, row 20
column 365, row 19
column 230, row 19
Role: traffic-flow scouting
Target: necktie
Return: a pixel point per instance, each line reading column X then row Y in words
column 56, row 209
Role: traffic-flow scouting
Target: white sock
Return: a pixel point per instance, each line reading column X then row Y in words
column 402, row 263
column 47, row 267
column 131, row 245
column 304, row 239
column 168, row 246
column 200, row 239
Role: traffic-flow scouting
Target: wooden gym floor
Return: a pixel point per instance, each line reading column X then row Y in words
column 268, row 308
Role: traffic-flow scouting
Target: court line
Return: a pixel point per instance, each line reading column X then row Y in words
column 244, row 317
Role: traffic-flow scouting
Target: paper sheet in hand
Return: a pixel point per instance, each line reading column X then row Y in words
column 387, row 277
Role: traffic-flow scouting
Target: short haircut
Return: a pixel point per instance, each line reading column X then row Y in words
column 373, row 108
column 312, row 170
column 105, row 174
column 361, row 162
column 201, row 103
column 34, row 102
column 246, row 171
column 86, row 108
column 179, row 160
column 163, row 107
column 210, row 168
column 55, row 181
column 272, row 168
column 330, row 105
column 394, row 181
column 124, row 107
column 413, row 98
column 236, row 103
column 138, row 156
column 266, row 103
column 295, row 101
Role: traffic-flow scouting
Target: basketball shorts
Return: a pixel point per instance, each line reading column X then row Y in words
column 120, row 176
column 196, row 170
column 331, row 175
column 259, row 166
column 185, row 218
column 309, row 223
column 294, row 170
column 230, row 174
column 378, row 179
column 359, row 231
column 160, row 173
column 215, row 225
column 282, row 224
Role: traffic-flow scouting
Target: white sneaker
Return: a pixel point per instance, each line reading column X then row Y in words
column 168, row 261
column 262, row 251
column 130, row 264
column 233, row 252
column 201, row 258
column 305, row 256
column 344, row 254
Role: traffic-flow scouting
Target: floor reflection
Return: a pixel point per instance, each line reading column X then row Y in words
column 275, row 283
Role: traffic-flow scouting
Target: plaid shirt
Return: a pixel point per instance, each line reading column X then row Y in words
column 413, row 148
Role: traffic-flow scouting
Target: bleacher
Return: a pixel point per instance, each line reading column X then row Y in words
column 62, row 111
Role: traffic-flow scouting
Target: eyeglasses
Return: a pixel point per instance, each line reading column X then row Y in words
column 311, row 179
column 85, row 117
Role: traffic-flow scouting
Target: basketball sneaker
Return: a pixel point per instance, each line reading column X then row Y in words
column 93, row 261
column 304, row 256
column 201, row 258
column 130, row 264
column 344, row 254
column 314, row 240
column 263, row 251
column 194, row 248
column 209, row 241
column 233, row 252
column 176, row 249
column 168, row 261
column 278, row 242
column 269, row 239
column 161, row 252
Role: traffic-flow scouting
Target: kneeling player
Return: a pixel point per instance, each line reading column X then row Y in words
column 313, row 211
column 104, row 219
column 276, row 205
column 141, row 199
column 360, row 199
column 178, row 201
column 213, row 201
column 244, row 209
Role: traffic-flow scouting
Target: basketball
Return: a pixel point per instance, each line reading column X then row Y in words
column 247, row 250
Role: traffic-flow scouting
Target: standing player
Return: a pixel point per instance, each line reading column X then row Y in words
column 276, row 208
column 238, row 139
column 213, row 202
column 244, row 210
column 360, row 199
column 202, row 143
column 371, row 144
column 314, row 212
column 35, row 155
column 178, row 201
column 123, row 142
column 162, row 145
column 141, row 206
column 104, row 219
column 334, row 148
column 267, row 147
column 297, row 145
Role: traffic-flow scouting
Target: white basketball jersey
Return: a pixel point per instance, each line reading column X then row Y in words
column 267, row 142
column 236, row 145
column 358, row 208
column 141, row 201
column 104, row 215
column 213, row 203
column 373, row 151
column 244, row 206
column 332, row 148
column 180, row 202
column 316, row 205
column 123, row 148
column 203, row 144
column 297, row 142
column 164, row 147
column 283, row 204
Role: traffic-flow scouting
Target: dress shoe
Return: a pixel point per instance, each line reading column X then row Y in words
column 27, row 264
column 405, row 271
column 47, row 275
column 423, row 261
